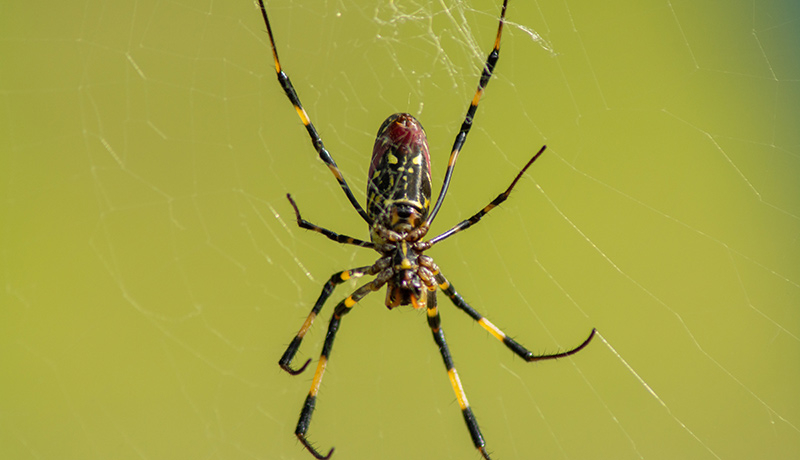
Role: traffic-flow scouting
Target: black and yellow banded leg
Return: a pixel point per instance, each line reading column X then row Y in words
column 438, row 336
column 512, row 344
column 488, row 69
column 465, row 224
column 343, row 239
column 337, row 278
column 316, row 140
column 342, row 308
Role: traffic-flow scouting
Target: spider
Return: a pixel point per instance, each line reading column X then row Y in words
column 399, row 215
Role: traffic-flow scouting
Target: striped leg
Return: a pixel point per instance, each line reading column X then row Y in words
column 488, row 69
column 438, row 336
column 336, row 279
column 323, row 153
column 465, row 224
column 512, row 344
column 342, row 308
column 343, row 239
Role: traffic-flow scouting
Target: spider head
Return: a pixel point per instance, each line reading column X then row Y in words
column 405, row 286
column 399, row 187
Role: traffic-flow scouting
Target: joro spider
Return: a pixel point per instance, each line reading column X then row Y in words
column 398, row 203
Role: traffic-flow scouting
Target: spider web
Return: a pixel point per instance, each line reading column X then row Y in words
column 153, row 274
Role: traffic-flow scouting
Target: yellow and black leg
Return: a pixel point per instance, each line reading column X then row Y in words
column 438, row 336
column 343, row 239
column 512, row 344
column 467, row 223
column 466, row 125
column 342, row 308
column 337, row 278
column 316, row 140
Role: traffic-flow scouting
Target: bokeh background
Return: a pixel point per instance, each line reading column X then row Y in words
column 152, row 274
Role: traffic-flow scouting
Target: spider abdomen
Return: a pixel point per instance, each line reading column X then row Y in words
column 399, row 185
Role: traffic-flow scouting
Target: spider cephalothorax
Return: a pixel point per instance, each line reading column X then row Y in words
column 399, row 215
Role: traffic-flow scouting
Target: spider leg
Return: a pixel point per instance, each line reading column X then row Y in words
column 512, row 344
column 316, row 140
column 465, row 224
column 337, row 278
column 488, row 69
column 342, row 308
column 438, row 336
column 343, row 239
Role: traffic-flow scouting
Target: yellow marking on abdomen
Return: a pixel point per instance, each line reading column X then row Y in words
column 349, row 302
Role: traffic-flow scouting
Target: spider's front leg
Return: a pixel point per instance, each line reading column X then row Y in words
column 342, row 308
column 438, row 335
column 512, row 344
column 434, row 322
column 337, row 278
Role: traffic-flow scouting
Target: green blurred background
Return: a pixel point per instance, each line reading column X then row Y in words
column 152, row 274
